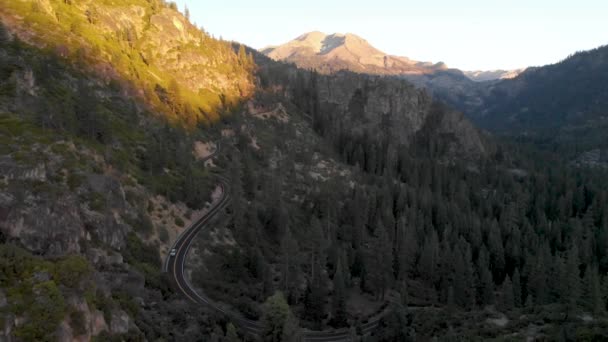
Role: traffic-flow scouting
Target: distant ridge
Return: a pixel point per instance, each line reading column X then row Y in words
column 334, row 52
column 489, row 75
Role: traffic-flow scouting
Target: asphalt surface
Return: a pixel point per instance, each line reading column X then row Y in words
column 174, row 265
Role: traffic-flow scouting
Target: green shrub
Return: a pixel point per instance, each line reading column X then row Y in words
column 139, row 252
column 179, row 222
column 132, row 197
column 126, row 302
column 44, row 307
column 163, row 234
column 71, row 270
column 97, row 201
column 142, row 224
column 78, row 323
column 74, row 180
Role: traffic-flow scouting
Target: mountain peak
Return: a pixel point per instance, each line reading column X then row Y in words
column 338, row 51
column 312, row 36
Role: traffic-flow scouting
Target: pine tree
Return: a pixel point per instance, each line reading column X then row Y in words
column 251, row 228
column 317, row 250
column 290, row 256
column 427, row 264
column 186, row 12
column 314, row 304
column 529, row 301
column 339, row 296
column 508, row 301
column 379, row 263
column 237, row 200
column 572, row 290
column 279, row 323
column 604, row 291
column 403, row 291
column 231, row 335
column 243, row 59
column 487, row 287
column 592, row 297
column 459, row 279
column 469, row 279
column 217, row 334
column 385, row 255
column 497, row 254
column 451, row 303
column 537, row 280
column 408, row 249
column 517, row 295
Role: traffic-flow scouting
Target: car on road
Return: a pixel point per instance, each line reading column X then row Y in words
column 173, row 252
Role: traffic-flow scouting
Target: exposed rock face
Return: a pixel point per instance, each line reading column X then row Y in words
column 374, row 104
column 377, row 98
column 57, row 226
column 44, row 225
column 94, row 323
column 120, row 322
column 596, row 157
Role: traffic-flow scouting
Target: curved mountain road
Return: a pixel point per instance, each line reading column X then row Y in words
column 174, row 265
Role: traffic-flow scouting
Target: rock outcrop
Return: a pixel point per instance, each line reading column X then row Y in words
column 380, row 106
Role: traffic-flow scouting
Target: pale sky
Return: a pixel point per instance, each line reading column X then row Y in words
column 465, row 34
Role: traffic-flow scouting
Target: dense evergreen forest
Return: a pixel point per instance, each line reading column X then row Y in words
column 522, row 231
column 335, row 219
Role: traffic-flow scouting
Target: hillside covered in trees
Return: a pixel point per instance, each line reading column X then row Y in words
column 560, row 107
column 147, row 47
column 352, row 197
column 518, row 231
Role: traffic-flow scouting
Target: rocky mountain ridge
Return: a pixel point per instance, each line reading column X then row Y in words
column 330, row 53
column 334, row 52
column 489, row 75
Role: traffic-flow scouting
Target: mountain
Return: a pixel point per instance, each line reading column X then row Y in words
column 563, row 103
column 305, row 202
column 334, row 52
column 146, row 46
column 481, row 76
column 108, row 111
column 331, row 53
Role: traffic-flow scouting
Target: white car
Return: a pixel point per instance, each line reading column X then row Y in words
column 173, row 252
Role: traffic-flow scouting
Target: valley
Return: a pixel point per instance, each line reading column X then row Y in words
column 159, row 184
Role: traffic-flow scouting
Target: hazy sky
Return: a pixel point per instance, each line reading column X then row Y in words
column 466, row 34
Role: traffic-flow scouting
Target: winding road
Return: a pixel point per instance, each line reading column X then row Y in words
column 174, row 265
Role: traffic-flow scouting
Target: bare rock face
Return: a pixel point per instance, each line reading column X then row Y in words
column 93, row 320
column 59, row 226
column 379, row 105
column 7, row 328
column 370, row 100
column 120, row 322
column 44, row 225
column 50, row 218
